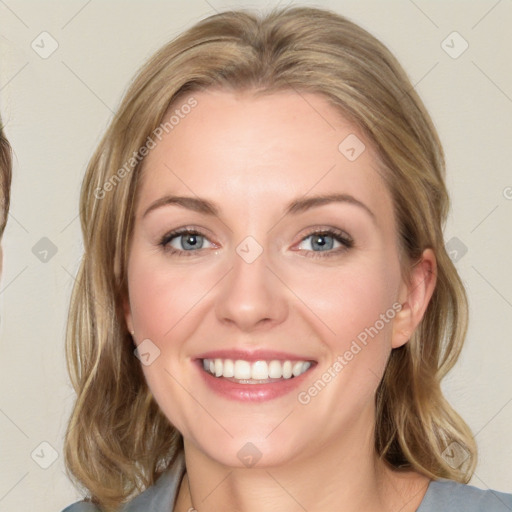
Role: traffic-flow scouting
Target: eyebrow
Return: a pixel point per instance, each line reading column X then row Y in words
column 297, row 206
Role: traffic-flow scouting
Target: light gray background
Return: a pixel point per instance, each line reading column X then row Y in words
column 56, row 110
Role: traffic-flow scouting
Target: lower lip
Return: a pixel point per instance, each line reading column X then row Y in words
column 251, row 392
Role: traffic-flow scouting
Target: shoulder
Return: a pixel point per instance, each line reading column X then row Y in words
column 160, row 496
column 82, row 506
column 446, row 496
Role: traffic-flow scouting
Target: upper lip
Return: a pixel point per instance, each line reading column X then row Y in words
column 253, row 355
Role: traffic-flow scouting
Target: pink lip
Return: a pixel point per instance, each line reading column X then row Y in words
column 249, row 392
column 255, row 355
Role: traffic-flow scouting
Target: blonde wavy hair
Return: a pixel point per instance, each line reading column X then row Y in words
column 5, row 179
column 118, row 441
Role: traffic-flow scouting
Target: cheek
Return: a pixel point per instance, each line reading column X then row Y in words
column 165, row 303
column 161, row 295
column 354, row 314
column 350, row 298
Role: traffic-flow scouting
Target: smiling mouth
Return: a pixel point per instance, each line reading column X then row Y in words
column 255, row 372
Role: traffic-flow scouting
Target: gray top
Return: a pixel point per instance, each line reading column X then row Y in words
column 441, row 496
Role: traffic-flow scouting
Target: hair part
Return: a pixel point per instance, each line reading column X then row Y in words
column 118, row 440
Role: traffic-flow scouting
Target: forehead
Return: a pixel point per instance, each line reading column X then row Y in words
column 248, row 150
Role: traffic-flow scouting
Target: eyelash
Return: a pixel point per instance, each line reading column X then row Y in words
column 338, row 235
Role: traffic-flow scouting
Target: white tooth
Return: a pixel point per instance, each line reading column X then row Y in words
column 259, row 370
column 242, row 369
column 297, row 368
column 275, row 370
column 287, row 369
column 218, row 367
column 229, row 368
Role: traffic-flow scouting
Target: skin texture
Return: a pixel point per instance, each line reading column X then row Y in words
column 251, row 156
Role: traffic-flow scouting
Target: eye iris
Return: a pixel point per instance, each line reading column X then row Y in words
column 319, row 240
column 192, row 240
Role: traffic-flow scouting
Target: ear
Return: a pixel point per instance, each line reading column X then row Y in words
column 415, row 297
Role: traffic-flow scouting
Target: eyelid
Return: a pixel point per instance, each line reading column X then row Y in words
column 327, row 230
column 176, row 233
column 346, row 241
column 341, row 236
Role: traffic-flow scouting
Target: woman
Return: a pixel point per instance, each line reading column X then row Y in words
column 265, row 308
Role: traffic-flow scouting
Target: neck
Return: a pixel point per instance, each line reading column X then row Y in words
column 344, row 474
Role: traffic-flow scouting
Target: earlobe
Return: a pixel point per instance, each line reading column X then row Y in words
column 415, row 297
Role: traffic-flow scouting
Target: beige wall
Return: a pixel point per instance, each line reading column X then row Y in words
column 56, row 109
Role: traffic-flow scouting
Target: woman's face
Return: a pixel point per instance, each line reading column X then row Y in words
column 269, row 274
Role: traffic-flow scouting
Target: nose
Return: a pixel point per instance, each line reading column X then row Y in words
column 252, row 296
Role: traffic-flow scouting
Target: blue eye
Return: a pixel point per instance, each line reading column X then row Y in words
column 183, row 242
column 324, row 242
column 186, row 242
